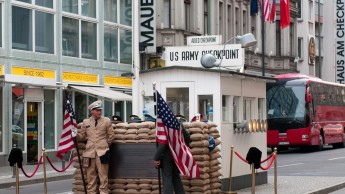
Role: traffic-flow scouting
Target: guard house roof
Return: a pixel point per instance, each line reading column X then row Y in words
column 222, row 72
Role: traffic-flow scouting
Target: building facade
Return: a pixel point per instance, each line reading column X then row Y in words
column 50, row 47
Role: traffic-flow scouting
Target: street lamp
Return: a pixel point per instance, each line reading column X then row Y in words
column 209, row 60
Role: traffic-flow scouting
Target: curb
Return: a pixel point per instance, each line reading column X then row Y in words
column 35, row 181
column 329, row 189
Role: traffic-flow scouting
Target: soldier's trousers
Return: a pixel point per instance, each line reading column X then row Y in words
column 97, row 168
column 171, row 178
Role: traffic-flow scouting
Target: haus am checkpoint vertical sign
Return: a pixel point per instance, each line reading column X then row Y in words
column 190, row 56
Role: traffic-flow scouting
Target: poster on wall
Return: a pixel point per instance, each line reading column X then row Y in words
column 340, row 42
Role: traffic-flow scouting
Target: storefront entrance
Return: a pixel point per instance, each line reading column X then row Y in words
column 33, row 131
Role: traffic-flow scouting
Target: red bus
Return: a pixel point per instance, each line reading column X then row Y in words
column 304, row 111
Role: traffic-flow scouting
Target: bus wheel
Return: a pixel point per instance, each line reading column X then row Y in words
column 320, row 147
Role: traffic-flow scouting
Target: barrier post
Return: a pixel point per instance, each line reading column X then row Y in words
column 275, row 172
column 253, row 178
column 17, row 178
column 44, row 170
column 230, row 171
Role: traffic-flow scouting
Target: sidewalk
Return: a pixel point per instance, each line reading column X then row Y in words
column 299, row 185
column 6, row 174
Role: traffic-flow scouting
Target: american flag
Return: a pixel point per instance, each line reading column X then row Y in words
column 66, row 141
column 269, row 10
column 169, row 132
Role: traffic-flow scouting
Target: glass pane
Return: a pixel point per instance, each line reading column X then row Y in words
column 21, row 29
column 125, row 47
column 70, row 6
column 110, row 10
column 178, row 101
column 70, row 37
column 80, row 106
column 108, row 109
column 126, row 12
column 44, row 32
column 128, row 110
column 88, row 38
column 119, row 109
column 236, row 109
column 110, row 44
column 88, row 8
column 45, row 3
column 26, row 1
column 32, row 132
column 206, row 106
column 18, row 118
column 225, row 108
column 49, row 119
column 261, row 108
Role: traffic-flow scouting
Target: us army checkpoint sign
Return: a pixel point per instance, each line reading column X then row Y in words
column 190, row 56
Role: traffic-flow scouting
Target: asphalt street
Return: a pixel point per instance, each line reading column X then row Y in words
column 56, row 187
column 330, row 163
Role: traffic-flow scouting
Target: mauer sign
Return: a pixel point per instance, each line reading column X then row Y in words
column 232, row 55
column 148, row 25
column 340, row 41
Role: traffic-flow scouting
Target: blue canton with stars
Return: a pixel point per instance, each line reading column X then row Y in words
column 69, row 108
column 166, row 114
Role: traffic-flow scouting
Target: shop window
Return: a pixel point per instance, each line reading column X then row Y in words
column 70, row 6
column 110, row 44
column 80, row 106
column 108, row 109
column 126, row 12
column 49, row 119
column 261, row 109
column 70, row 37
column 125, row 46
column 119, row 109
column 206, row 106
column 18, row 117
column 89, row 42
column 236, row 109
column 178, row 101
column 45, row 3
column 110, row 10
column 21, row 28
column 225, row 108
column 88, row 8
column 149, row 105
column 44, row 32
column 128, row 109
column 248, row 112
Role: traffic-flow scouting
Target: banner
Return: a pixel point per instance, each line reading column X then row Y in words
column 148, row 25
column 340, row 41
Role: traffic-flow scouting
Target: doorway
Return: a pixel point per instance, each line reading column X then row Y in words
column 33, row 131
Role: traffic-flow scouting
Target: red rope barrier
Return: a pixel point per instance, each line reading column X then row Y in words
column 270, row 156
column 240, row 157
column 269, row 165
column 38, row 165
column 63, row 170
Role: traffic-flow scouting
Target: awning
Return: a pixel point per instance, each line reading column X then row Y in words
column 103, row 93
column 28, row 80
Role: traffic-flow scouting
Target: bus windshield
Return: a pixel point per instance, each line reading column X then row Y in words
column 286, row 106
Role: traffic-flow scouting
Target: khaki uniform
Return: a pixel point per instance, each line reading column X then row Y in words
column 99, row 137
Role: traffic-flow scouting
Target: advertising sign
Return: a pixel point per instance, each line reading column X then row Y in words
column 204, row 40
column 148, row 25
column 340, row 41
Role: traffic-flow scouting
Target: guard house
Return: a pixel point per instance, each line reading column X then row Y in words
column 224, row 97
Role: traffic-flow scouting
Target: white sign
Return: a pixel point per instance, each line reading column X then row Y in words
column 233, row 55
column 204, row 40
column 148, row 25
column 340, row 41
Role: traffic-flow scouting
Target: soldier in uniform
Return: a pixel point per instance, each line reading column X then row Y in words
column 97, row 130
column 171, row 174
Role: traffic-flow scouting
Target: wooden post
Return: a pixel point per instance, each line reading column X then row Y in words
column 230, row 172
column 253, row 179
column 275, row 172
column 44, row 170
column 17, row 178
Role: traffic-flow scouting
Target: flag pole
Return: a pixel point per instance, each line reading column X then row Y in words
column 75, row 141
column 155, row 107
column 263, row 35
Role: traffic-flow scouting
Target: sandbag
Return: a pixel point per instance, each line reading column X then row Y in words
column 122, row 125
column 203, row 143
column 215, row 155
column 119, row 137
column 215, row 174
column 117, row 191
column 196, row 137
column 131, row 137
column 145, row 181
column 145, row 191
column 133, row 125
column 215, row 185
column 186, row 125
column 201, row 157
column 199, row 182
column 217, row 141
column 144, row 141
column 131, row 141
column 215, row 180
column 132, row 191
column 143, row 136
column 211, row 124
column 120, row 131
column 144, row 130
column 143, row 125
column 195, row 130
column 213, row 130
column 145, row 186
column 215, row 135
column 132, row 131
column 199, row 151
column 201, row 125
column 132, row 186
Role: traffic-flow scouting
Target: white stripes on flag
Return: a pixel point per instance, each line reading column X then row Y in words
column 66, row 141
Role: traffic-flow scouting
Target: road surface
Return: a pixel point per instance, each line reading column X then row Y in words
column 56, row 187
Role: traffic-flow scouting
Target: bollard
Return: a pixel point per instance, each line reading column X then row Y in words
column 253, row 178
column 17, row 179
column 44, row 170
column 230, row 172
column 275, row 172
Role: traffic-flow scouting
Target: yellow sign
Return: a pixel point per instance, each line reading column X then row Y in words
column 80, row 77
column 1, row 70
column 117, row 81
column 41, row 73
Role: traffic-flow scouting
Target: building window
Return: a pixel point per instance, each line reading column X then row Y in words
column 236, row 109
column 125, row 46
column 45, row 3
column 178, row 101
column 206, row 106
column 88, row 40
column 126, row 12
column 70, row 37
column 206, row 32
column 166, row 12
column 299, row 14
column 187, row 18
column 248, row 109
column 70, row 6
column 300, row 47
column 237, row 20
column 278, row 38
column 49, row 119
column 21, row 28
column 310, row 10
column 230, row 27
column 44, row 32
column 245, row 22
column 261, row 108
column 292, row 40
column 108, row 109
column 110, row 10
column 225, row 108
column 80, row 104
column 221, row 16
column 111, row 44
column 88, row 8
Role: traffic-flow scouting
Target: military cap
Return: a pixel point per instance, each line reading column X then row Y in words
column 149, row 118
column 134, row 119
column 181, row 118
column 116, row 119
column 96, row 105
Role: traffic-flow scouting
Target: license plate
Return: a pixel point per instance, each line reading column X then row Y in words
column 283, row 143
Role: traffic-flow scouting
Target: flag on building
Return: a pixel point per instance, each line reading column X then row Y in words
column 66, row 141
column 266, row 10
column 169, row 132
column 254, row 8
column 273, row 10
column 284, row 13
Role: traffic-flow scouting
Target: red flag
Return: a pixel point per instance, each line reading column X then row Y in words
column 66, row 141
column 272, row 17
column 284, row 13
column 169, row 132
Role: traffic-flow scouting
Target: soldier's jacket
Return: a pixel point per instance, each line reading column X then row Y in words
column 99, row 137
